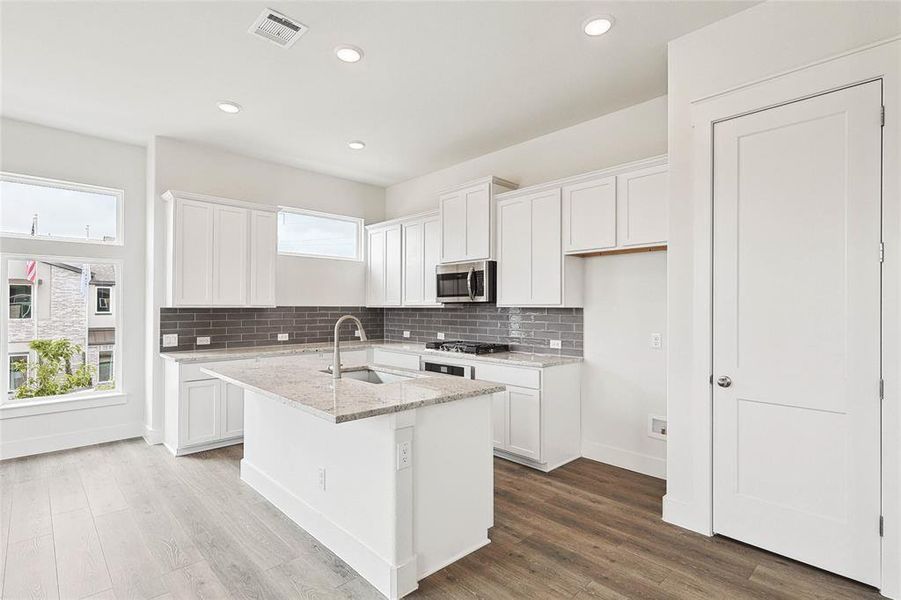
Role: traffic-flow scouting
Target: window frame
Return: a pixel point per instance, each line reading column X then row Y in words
column 30, row 316
column 9, row 368
column 358, row 221
column 96, row 298
column 74, row 187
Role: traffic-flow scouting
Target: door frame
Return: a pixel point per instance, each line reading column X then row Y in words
column 879, row 61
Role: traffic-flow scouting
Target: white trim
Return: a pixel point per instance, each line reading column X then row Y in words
column 75, row 187
column 152, row 436
column 71, row 439
column 170, row 195
column 625, row 459
column 202, row 447
column 358, row 221
column 15, row 409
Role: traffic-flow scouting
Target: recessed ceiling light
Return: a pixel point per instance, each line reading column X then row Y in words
column 229, row 107
column 349, row 54
column 356, row 145
column 597, row 26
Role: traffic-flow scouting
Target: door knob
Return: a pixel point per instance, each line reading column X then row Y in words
column 724, row 381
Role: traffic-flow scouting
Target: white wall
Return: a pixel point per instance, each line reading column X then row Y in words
column 33, row 149
column 624, row 380
column 184, row 166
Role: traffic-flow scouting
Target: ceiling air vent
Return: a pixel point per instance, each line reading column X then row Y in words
column 277, row 28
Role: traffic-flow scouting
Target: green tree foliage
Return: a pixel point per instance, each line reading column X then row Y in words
column 53, row 374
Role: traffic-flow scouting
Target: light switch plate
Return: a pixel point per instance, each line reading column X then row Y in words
column 170, row 339
column 406, row 334
column 556, row 344
column 203, row 340
column 440, row 335
column 322, row 478
column 283, row 337
column 656, row 340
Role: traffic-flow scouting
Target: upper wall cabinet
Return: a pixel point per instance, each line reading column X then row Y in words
column 589, row 215
column 641, row 206
column 422, row 249
column 401, row 256
column 468, row 219
column 383, row 265
column 220, row 252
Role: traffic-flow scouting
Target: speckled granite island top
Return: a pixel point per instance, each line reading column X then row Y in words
column 298, row 381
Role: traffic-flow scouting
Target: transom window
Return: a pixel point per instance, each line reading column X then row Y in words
column 320, row 235
column 50, row 209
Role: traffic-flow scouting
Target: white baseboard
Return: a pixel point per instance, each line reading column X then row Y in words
column 370, row 565
column 686, row 516
column 626, row 459
column 153, row 436
column 70, row 439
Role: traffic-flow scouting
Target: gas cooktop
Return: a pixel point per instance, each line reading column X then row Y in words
column 467, row 347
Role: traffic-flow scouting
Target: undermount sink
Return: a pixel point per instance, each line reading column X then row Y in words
column 371, row 375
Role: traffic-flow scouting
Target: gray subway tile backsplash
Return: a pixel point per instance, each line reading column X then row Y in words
column 524, row 329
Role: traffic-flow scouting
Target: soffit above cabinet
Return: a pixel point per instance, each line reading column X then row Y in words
column 170, row 195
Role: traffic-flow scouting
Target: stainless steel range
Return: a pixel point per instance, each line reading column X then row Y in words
column 467, row 347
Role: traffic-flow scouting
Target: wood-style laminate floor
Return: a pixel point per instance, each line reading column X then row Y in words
column 129, row 521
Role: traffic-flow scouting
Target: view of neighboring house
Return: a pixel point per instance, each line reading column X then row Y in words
column 53, row 300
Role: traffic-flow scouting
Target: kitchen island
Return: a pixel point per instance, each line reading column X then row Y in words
column 390, row 469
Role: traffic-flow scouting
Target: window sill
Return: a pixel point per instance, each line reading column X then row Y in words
column 28, row 408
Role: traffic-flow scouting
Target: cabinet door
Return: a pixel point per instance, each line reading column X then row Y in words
column 200, row 412
column 413, row 263
column 375, row 267
column 642, row 204
column 193, row 256
column 524, row 435
column 589, row 215
column 499, row 420
column 393, row 266
column 263, row 253
column 229, row 256
column 453, row 226
column 431, row 243
column 232, row 411
column 514, row 223
column 478, row 222
column 546, row 250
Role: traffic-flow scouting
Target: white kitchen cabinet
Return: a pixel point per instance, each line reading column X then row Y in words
column 232, row 418
column 384, row 265
column 467, row 214
column 641, row 206
column 523, row 424
column 589, row 215
column 263, row 252
column 219, row 252
column 200, row 412
column 421, row 243
column 532, row 270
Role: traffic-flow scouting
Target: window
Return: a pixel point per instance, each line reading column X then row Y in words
column 307, row 233
column 104, row 301
column 105, row 371
column 49, row 209
column 17, row 362
column 19, row 301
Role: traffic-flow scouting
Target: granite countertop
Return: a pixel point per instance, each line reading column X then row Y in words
column 298, row 381
column 521, row 359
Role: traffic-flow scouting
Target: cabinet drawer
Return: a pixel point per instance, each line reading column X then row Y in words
column 395, row 359
column 520, row 377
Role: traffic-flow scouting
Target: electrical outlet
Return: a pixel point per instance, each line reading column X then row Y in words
column 556, row 344
column 404, row 455
column 357, row 333
column 657, row 427
column 283, row 337
column 170, row 339
column 322, row 478
column 406, row 334
column 656, row 340
column 439, row 335
column 203, row 340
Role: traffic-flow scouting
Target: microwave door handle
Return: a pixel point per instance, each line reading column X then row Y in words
column 469, row 275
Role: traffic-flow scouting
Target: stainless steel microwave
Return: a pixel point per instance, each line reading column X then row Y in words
column 467, row 282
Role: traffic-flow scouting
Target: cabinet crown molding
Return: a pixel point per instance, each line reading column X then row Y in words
column 573, row 179
column 491, row 179
column 404, row 219
column 171, row 195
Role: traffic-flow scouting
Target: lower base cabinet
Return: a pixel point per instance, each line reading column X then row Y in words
column 520, row 422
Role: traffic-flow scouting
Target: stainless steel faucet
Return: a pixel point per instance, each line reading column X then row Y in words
column 336, row 358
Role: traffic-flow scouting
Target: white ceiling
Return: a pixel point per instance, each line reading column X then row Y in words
column 441, row 82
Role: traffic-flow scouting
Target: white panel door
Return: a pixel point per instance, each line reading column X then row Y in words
column 642, row 206
column 393, row 266
column 499, row 420
column 263, row 253
column 229, row 256
column 478, row 222
column 232, row 420
column 375, row 267
column 589, row 215
column 193, row 253
column 453, row 227
column 413, row 263
column 431, row 246
column 514, row 221
column 200, row 411
column 797, row 330
column 547, row 253
column 524, row 435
